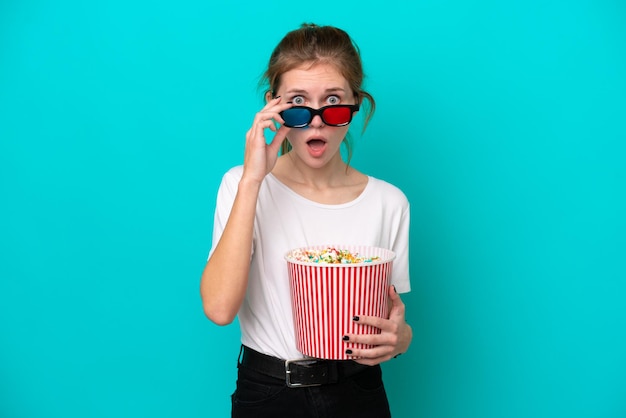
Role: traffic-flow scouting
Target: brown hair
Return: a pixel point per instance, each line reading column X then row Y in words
column 314, row 44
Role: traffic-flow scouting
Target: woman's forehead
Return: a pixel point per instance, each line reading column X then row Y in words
column 319, row 77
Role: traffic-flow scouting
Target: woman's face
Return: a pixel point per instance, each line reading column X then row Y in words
column 317, row 86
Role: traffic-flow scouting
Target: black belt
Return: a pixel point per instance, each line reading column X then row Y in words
column 301, row 372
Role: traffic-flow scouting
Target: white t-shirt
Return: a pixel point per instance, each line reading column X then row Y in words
column 285, row 220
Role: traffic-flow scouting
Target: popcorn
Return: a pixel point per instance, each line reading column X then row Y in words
column 329, row 255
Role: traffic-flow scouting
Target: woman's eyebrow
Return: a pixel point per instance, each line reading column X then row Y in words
column 329, row 90
column 296, row 91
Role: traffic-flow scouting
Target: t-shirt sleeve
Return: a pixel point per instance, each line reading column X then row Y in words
column 400, row 273
column 224, row 203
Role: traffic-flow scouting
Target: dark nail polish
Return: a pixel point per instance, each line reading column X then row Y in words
column 394, row 289
column 345, row 338
column 355, row 318
column 348, row 351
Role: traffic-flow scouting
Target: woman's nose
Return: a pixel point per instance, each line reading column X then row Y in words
column 316, row 122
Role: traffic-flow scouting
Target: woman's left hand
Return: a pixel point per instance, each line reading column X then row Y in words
column 393, row 340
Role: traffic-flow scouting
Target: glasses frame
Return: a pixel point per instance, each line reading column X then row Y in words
column 319, row 112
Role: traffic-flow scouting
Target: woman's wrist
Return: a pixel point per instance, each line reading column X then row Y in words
column 248, row 184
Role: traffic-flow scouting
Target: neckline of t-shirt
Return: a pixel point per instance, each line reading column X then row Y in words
column 361, row 196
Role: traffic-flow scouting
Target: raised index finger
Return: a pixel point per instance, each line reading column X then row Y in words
column 272, row 111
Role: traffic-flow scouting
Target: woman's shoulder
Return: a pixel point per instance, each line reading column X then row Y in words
column 233, row 174
column 388, row 190
column 230, row 182
column 236, row 171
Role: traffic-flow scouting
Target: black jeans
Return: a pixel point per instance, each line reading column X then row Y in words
column 361, row 395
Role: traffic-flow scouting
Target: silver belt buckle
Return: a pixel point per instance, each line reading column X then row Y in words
column 288, row 381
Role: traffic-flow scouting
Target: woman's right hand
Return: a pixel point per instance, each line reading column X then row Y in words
column 260, row 157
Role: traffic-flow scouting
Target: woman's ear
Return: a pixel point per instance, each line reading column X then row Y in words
column 268, row 96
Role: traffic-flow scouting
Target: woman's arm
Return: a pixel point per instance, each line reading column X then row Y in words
column 225, row 276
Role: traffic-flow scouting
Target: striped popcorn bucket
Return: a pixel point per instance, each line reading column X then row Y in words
column 325, row 297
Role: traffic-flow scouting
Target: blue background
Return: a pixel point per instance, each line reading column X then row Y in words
column 503, row 122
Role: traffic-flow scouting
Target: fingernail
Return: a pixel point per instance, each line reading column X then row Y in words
column 345, row 338
column 277, row 97
column 348, row 351
column 355, row 318
column 394, row 288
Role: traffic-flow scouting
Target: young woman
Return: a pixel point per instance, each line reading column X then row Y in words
column 306, row 196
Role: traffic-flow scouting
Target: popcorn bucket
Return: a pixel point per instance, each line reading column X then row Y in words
column 325, row 297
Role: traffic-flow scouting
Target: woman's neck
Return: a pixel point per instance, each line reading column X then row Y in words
column 335, row 183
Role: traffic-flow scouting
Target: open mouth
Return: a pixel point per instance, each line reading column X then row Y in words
column 316, row 144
